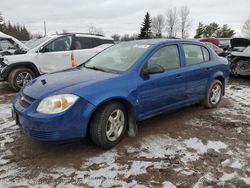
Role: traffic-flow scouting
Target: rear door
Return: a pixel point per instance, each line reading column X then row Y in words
column 160, row 91
column 83, row 48
column 197, row 71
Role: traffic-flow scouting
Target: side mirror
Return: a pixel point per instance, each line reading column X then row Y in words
column 43, row 49
column 153, row 69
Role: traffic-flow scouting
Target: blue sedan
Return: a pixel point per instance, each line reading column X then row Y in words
column 105, row 97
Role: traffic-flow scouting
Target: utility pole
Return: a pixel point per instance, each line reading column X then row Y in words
column 44, row 25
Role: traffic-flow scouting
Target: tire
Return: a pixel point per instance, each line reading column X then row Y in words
column 101, row 126
column 15, row 77
column 214, row 96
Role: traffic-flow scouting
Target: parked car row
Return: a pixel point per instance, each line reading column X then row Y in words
column 50, row 54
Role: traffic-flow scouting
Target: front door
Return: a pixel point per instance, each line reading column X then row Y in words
column 157, row 92
column 56, row 55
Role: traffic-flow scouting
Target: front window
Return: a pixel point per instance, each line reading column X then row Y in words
column 167, row 57
column 59, row 44
column 118, row 58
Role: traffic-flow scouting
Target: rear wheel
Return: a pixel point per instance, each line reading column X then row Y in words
column 214, row 95
column 108, row 125
column 19, row 77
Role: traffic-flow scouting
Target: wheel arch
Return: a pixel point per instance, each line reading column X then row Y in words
column 132, row 127
column 11, row 67
column 218, row 76
column 222, row 80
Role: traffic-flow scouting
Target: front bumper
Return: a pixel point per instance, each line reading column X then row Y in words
column 68, row 125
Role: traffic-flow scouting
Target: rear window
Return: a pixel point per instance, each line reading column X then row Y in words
column 98, row 42
column 83, row 43
column 195, row 54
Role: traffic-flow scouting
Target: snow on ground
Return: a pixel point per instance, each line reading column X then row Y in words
column 148, row 162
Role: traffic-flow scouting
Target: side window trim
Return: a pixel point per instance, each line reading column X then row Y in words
column 209, row 55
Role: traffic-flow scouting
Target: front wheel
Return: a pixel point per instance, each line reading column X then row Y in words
column 214, row 95
column 108, row 125
column 19, row 77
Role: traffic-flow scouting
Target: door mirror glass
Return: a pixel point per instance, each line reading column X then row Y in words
column 153, row 69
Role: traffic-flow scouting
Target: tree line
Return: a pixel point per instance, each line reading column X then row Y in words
column 18, row 31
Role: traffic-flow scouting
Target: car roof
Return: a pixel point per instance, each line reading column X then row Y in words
column 87, row 35
column 160, row 41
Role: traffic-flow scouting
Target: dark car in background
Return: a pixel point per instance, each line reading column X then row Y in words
column 239, row 44
column 240, row 62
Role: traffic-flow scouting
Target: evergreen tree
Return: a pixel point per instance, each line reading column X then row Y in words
column 211, row 30
column 199, row 31
column 214, row 30
column 146, row 28
column 15, row 30
column 226, row 32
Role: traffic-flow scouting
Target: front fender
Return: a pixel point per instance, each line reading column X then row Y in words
column 10, row 67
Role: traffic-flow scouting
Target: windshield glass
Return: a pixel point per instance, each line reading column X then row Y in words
column 118, row 58
column 247, row 50
column 38, row 42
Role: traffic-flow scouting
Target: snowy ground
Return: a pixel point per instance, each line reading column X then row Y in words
column 192, row 147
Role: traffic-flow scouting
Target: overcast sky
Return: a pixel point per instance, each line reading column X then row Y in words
column 117, row 16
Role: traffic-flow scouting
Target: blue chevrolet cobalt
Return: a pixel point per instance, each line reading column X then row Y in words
column 105, row 97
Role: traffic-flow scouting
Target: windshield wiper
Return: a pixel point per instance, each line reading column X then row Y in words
column 96, row 68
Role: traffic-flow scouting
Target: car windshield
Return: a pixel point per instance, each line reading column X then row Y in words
column 247, row 50
column 118, row 58
column 38, row 42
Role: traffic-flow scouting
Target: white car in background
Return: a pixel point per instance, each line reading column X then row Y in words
column 50, row 54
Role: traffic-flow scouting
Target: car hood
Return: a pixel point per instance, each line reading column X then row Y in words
column 53, row 83
column 242, row 54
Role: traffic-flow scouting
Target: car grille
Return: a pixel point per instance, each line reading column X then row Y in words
column 25, row 101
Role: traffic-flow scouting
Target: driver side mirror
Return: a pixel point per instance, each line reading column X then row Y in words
column 43, row 49
column 153, row 69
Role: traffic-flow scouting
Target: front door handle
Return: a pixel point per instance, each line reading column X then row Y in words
column 65, row 54
column 179, row 76
column 209, row 69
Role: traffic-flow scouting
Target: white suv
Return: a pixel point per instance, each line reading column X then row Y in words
column 50, row 54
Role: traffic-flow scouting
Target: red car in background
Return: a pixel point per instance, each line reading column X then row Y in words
column 217, row 49
column 212, row 40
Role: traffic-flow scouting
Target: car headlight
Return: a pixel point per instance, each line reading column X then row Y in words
column 56, row 104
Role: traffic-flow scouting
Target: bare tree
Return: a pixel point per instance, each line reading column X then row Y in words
column 158, row 24
column 246, row 28
column 95, row 30
column 172, row 23
column 185, row 21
